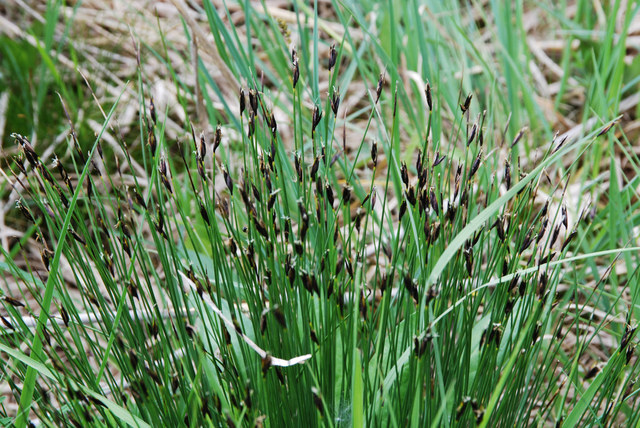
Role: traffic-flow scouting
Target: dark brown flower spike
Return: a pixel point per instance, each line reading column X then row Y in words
column 298, row 167
column 438, row 159
column 202, row 149
column 164, row 177
column 314, row 169
column 13, row 302
column 329, row 192
column 253, row 100
column 434, row 202
column 427, row 92
column 379, row 87
column 151, row 141
column 395, row 100
column 335, row 101
column 507, row 174
column 217, row 139
column 543, row 228
column 467, row 102
column 569, row 239
column 252, row 124
column 472, row 135
column 411, row 288
column 152, row 111
column 346, row 195
column 228, row 180
column 25, row 211
column 518, row 137
column 403, row 209
column 333, row 56
column 243, row 101
column 28, row 150
column 607, row 128
column 475, row 165
column 296, row 73
column 404, row 174
column 317, row 115
column 273, row 124
column 374, row 154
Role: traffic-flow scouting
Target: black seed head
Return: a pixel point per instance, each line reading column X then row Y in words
column 317, row 399
column 228, row 180
column 253, row 100
column 152, row 111
column 569, row 239
column 296, row 73
column 317, row 115
column 217, row 139
column 28, row 150
column 374, row 154
column 475, row 165
column 314, row 168
column 346, row 195
column 298, row 167
column 427, row 92
column 335, row 102
column 411, row 287
column 204, row 214
column 329, row 193
column 500, row 228
column 507, row 175
column 472, row 135
column 274, row 126
column 434, row 202
column 252, row 124
column 243, row 101
column 403, row 209
column 333, row 56
column 438, row 159
column 411, row 195
column 467, row 102
column 379, row 87
column 202, row 150
column 404, row 174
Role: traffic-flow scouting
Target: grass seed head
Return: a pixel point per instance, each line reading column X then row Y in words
column 333, row 56
column 253, row 101
column 403, row 209
column 472, row 135
column 335, row 102
column 475, row 165
column 317, row 116
column 518, row 137
column 467, row 103
column 152, row 111
column 404, row 174
column 434, row 202
column 507, row 174
column 379, row 87
column 242, row 101
column 296, row 72
column 427, row 93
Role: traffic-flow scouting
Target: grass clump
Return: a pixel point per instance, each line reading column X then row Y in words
column 290, row 263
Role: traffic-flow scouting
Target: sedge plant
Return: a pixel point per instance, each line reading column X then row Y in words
column 326, row 278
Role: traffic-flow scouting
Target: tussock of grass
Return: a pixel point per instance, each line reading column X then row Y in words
column 332, row 240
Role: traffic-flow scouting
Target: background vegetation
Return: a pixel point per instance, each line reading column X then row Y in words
column 319, row 213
